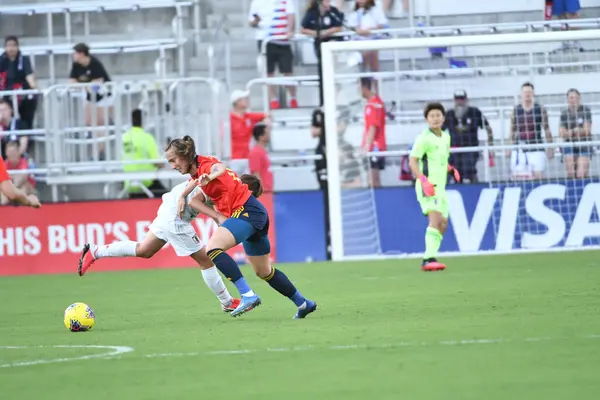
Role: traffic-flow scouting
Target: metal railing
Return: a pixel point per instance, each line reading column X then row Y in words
column 219, row 53
column 53, row 48
column 398, row 73
column 79, row 136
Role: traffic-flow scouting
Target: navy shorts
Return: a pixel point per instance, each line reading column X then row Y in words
column 249, row 225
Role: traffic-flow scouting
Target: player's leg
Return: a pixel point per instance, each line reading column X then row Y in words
column 436, row 210
column 377, row 165
column 232, row 232
column 572, row 8
column 537, row 160
column 583, row 163
column 271, row 59
column 127, row 248
column 569, row 160
column 213, row 280
column 258, row 249
column 286, row 67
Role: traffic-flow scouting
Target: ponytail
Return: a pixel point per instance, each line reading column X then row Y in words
column 184, row 148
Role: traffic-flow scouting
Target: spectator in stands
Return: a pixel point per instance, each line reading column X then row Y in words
column 9, row 127
column 139, row 145
column 259, row 162
column 464, row 122
column 527, row 121
column 366, row 18
column 276, row 18
column 328, row 19
column 576, row 126
column 86, row 69
column 16, row 73
column 241, row 123
column 14, row 161
column 316, row 131
column 374, row 136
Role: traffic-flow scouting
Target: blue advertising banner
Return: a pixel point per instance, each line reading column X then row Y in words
column 523, row 215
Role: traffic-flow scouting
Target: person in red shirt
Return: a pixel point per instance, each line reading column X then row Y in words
column 241, row 123
column 259, row 162
column 12, row 193
column 242, row 219
column 14, row 161
column 374, row 136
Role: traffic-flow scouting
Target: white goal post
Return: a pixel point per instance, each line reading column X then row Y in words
column 355, row 217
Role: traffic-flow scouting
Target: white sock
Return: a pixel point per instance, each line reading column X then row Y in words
column 117, row 249
column 215, row 283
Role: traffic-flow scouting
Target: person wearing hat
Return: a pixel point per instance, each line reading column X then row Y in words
column 464, row 122
column 241, row 123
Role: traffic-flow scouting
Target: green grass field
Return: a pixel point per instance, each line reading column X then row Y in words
column 505, row 327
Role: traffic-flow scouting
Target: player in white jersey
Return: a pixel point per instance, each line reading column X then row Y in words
column 168, row 227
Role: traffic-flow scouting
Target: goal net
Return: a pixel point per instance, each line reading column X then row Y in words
column 521, row 109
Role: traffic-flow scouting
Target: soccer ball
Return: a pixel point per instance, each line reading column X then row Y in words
column 79, row 317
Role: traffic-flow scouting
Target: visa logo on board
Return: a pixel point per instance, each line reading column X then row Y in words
column 515, row 212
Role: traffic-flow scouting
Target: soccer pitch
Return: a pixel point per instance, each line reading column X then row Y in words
column 498, row 327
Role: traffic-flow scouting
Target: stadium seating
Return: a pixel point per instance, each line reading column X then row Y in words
column 290, row 136
column 140, row 32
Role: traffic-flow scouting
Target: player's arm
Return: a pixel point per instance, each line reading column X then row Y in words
column 216, row 170
column 513, row 128
column 371, row 121
column 546, row 125
column 12, row 193
column 198, row 204
column 563, row 130
column 587, row 122
column 416, row 154
column 488, row 128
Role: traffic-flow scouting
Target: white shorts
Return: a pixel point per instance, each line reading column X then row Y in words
column 105, row 101
column 524, row 163
column 182, row 237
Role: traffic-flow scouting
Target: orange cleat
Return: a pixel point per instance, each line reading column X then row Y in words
column 432, row 265
column 86, row 260
column 231, row 306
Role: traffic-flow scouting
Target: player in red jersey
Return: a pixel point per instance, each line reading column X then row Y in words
column 374, row 135
column 13, row 193
column 242, row 219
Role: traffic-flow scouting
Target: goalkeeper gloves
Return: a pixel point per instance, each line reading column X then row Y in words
column 454, row 172
column 428, row 188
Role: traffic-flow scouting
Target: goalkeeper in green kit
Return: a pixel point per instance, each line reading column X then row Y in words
column 429, row 164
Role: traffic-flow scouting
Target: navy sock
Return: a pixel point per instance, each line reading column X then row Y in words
column 280, row 282
column 229, row 268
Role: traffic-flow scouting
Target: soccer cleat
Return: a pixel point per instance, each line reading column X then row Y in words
column 311, row 306
column 231, row 306
column 246, row 304
column 293, row 103
column 431, row 264
column 86, row 260
column 274, row 104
